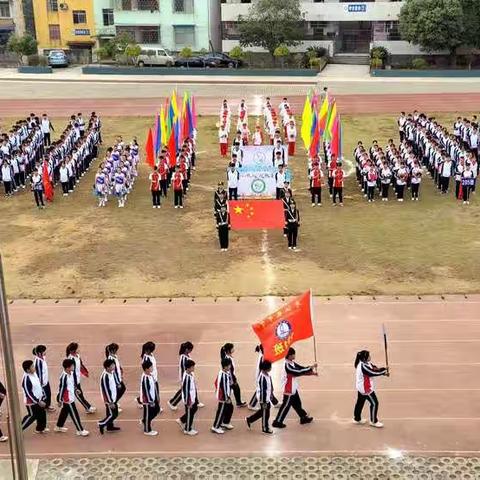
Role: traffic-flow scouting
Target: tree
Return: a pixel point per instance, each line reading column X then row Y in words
column 281, row 52
column 22, row 46
column 132, row 52
column 271, row 23
column 471, row 24
column 433, row 25
column 186, row 52
column 237, row 53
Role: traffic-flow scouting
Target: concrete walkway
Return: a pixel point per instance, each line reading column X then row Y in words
column 6, row 469
column 350, row 72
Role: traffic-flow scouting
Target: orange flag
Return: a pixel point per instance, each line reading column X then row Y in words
column 149, row 150
column 289, row 324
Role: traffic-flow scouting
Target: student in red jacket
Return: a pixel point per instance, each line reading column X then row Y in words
column 154, row 178
column 177, row 184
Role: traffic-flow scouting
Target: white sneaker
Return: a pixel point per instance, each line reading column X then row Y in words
column 120, row 410
column 359, row 422
column 250, row 407
column 152, row 433
column 219, row 431
column 83, row 433
column 181, row 206
column 161, row 410
column 3, row 439
column 192, row 433
column 91, row 410
column 172, row 407
column 60, row 429
column 313, row 204
column 200, row 405
column 227, row 426
column 376, row 425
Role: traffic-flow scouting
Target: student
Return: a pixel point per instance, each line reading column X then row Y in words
column 45, row 127
column 365, row 371
column 222, row 218
column 445, row 173
column 149, row 398
column 252, row 404
column 385, row 180
column 292, row 223
column 64, row 178
column 416, row 175
column 264, row 395
column 41, row 367
column 279, row 181
column 468, row 180
column 233, row 177
column 223, row 140
column 72, row 353
column 111, row 353
column 154, row 178
column 7, row 177
column 108, row 389
column 33, row 398
column 120, row 183
column 219, row 198
column 223, row 390
column 177, row 183
column 257, row 137
column 401, row 178
column 66, row 400
column 189, row 398
column 147, row 355
column 163, row 171
column 316, row 180
column 337, row 181
column 227, row 351
column 291, row 398
column 100, row 187
column 291, row 134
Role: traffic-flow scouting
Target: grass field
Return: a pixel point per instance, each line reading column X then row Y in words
column 72, row 248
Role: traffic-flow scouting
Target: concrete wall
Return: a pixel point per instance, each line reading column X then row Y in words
column 227, row 45
column 399, row 47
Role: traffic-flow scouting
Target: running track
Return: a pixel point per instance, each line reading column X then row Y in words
column 430, row 404
column 208, row 105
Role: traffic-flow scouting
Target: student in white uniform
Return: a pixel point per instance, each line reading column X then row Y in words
column 233, row 177
column 33, row 398
column 108, row 389
column 41, row 367
column 148, row 397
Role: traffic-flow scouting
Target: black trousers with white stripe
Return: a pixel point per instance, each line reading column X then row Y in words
column 35, row 413
column 254, row 400
column 294, row 402
column 121, row 389
column 69, row 410
column 175, row 400
column 264, row 414
column 110, row 416
column 149, row 413
column 47, row 392
column 81, row 398
column 361, row 399
column 224, row 414
column 189, row 415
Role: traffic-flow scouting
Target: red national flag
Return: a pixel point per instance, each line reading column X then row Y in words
column 47, row 184
column 289, row 324
column 172, row 149
column 256, row 214
column 149, row 149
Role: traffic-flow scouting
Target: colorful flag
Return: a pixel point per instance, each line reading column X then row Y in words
column 172, row 149
column 306, row 129
column 47, row 184
column 336, row 138
column 173, row 103
column 158, row 135
column 163, row 126
column 289, row 324
column 322, row 115
column 194, row 113
column 149, row 149
column 332, row 115
column 256, row 214
column 314, row 146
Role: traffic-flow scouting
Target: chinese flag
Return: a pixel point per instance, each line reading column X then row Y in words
column 253, row 214
column 289, row 324
column 149, row 149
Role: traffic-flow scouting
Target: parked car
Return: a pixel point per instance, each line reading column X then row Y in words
column 57, row 58
column 155, row 55
column 223, row 59
column 196, row 62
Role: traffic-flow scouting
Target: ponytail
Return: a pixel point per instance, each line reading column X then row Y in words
column 259, row 348
column 71, row 347
column 184, row 347
column 362, row 356
column 147, row 347
column 226, row 349
column 111, row 349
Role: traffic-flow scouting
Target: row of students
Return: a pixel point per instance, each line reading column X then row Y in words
column 335, row 178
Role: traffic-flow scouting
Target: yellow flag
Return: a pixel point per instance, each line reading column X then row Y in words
column 163, row 125
column 174, row 104
column 306, row 130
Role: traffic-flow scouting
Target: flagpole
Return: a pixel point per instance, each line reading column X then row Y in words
column 313, row 319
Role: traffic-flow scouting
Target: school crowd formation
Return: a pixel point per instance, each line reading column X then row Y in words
column 39, row 400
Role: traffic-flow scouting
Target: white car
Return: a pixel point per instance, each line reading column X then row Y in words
column 155, row 55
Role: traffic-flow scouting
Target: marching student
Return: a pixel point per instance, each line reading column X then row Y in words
column 233, row 177
column 291, row 398
column 292, row 223
column 222, row 218
column 468, row 180
column 163, row 170
column 149, row 397
column 108, row 389
column 41, row 367
column 291, row 133
column 264, row 395
column 154, row 178
column 33, row 398
column 7, row 177
column 64, row 178
column 416, row 174
column 223, row 140
column 316, row 180
column 177, row 183
column 252, row 404
column 66, row 400
column 147, row 355
column 72, row 353
column 227, row 351
column 45, row 127
column 364, row 373
column 120, row 182
column 337, row 182
column 279, row 181
column 111, row 352
column 37, row 189
column 223, row 390
column 189, row 398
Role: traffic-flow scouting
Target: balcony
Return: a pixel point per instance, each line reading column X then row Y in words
column 135, row 5
column 106, row 31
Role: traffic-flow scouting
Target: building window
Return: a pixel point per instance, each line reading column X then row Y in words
column 107, row 17
column 52, row 5
column 128, row 31
column 386, row 31
column 316, row 30
column 230, row 31
column 79, row 16
column 150, row 35
column 54, row 32
column 184, row 36
column 4, row 10
column 151, row 5
column 183, row 6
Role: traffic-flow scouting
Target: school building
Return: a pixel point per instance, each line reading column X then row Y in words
column 344, row 28
column 65, row 24
column 11, row 20
column 173, row 24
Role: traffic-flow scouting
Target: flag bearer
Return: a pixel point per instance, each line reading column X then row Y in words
column 41, row 367
column 34, row 399
column 108, row 388
column 223, row 390
column 189, row 398
column 149, row 398
column 177, row 183
column 154, row 178
column 264, row 395
column 163, row 171
column 292, row 222
column 337, row 181
column 223, row 227
column 291, row 398
column 365, row 371
column 316, row 179
column 66, row 400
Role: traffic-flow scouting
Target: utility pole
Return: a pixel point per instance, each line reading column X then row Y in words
column 16, row 442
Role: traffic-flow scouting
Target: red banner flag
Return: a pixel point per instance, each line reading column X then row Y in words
column 289, row 324
column 149, row 150
column 256, row 214
column 172, row 151
column 47, row 184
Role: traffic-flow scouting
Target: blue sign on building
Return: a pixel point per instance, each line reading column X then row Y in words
column 81, row 31
column 357, row 7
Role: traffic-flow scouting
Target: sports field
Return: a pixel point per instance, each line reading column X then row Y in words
column 74, row 249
